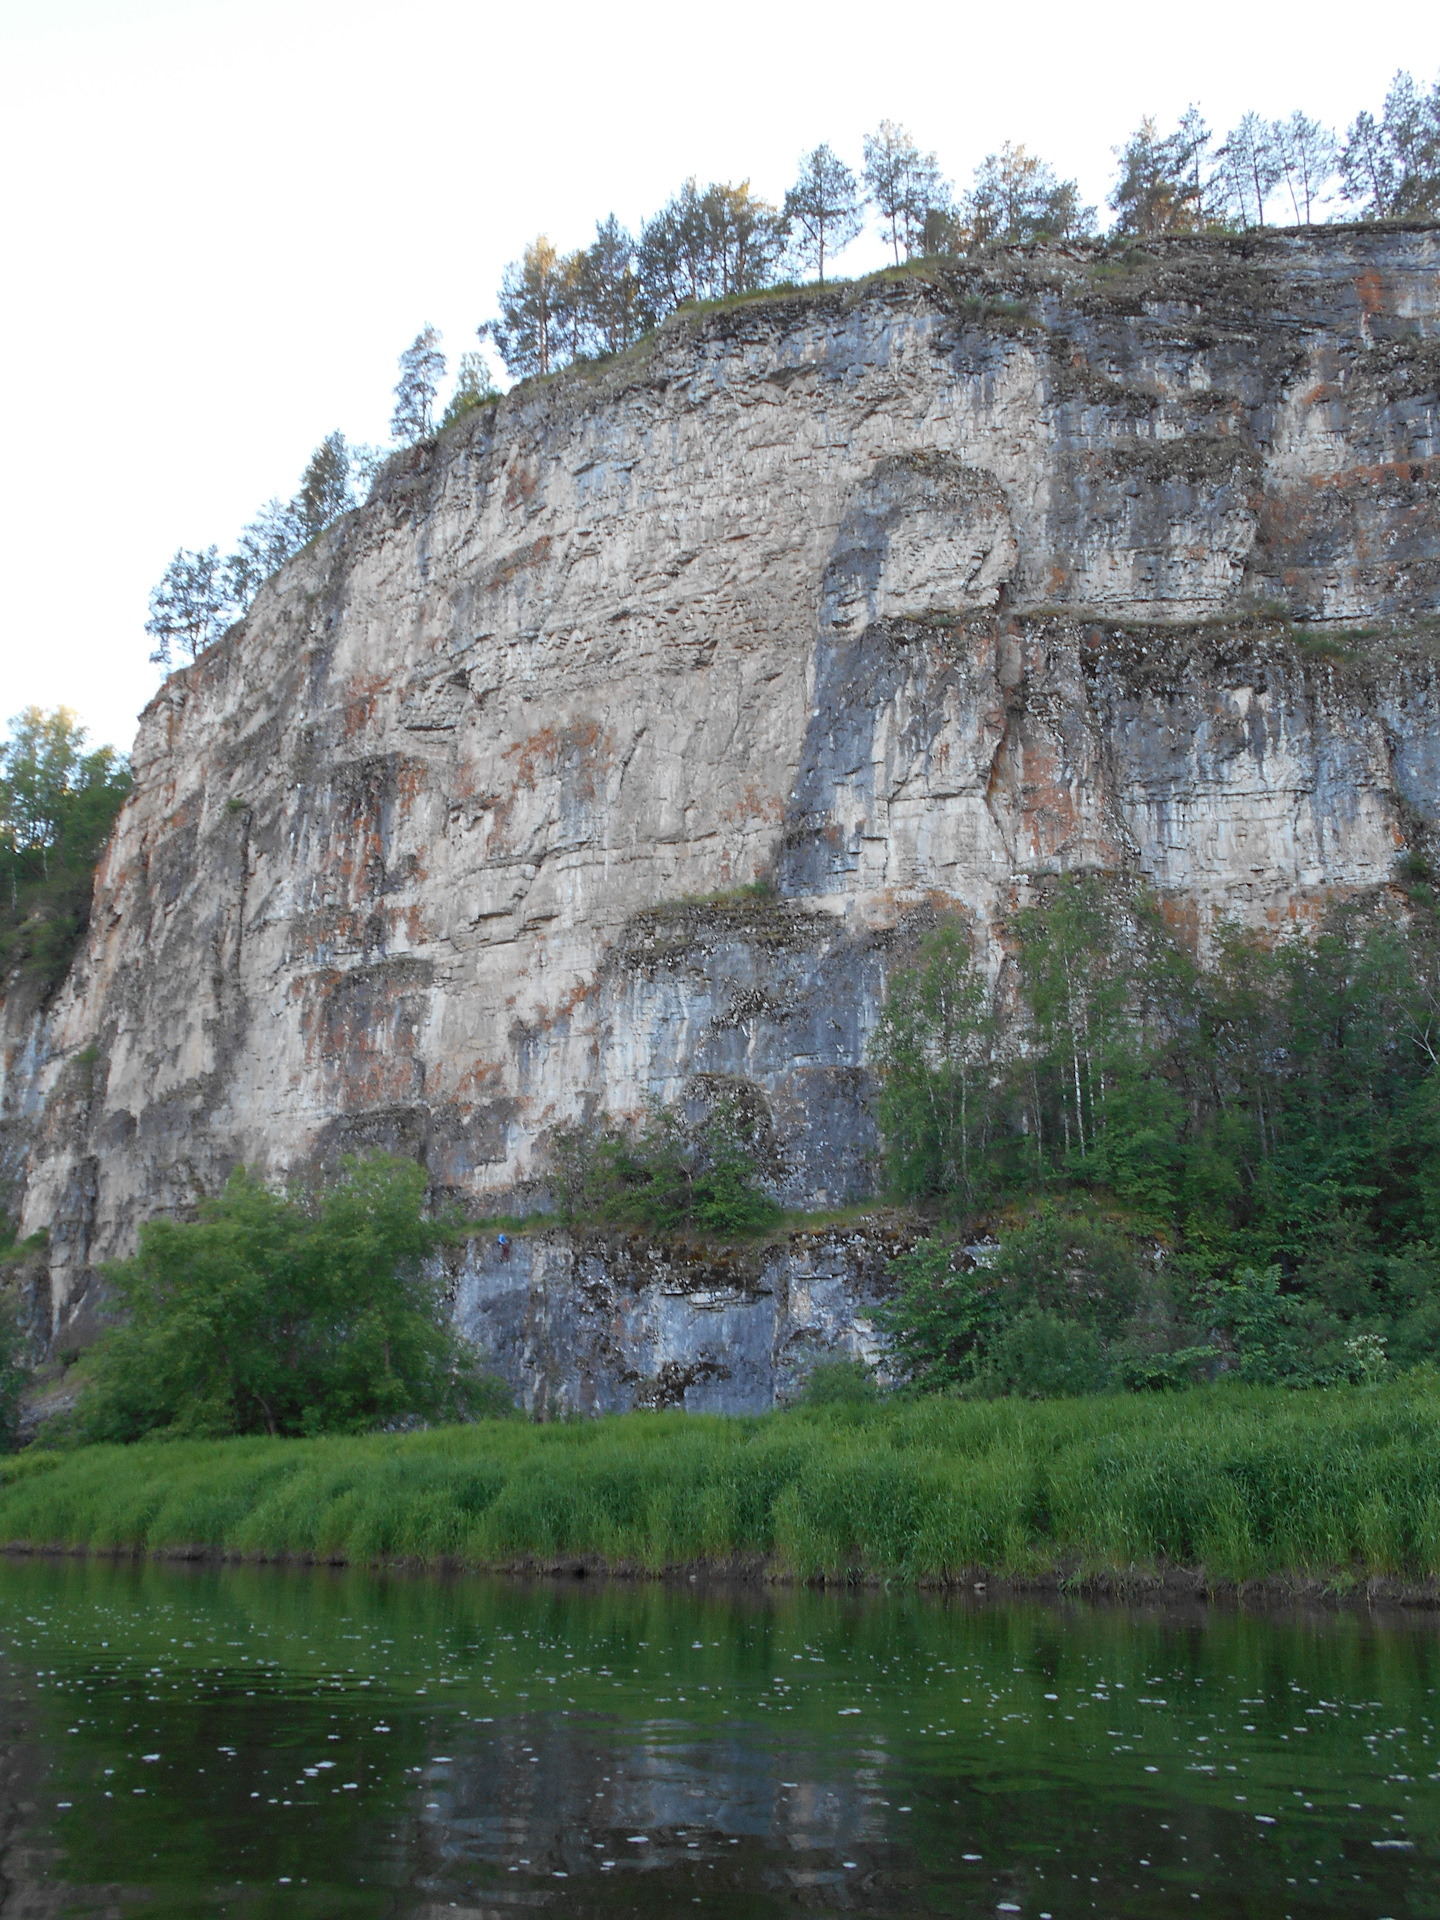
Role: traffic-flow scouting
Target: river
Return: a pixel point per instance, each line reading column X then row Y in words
column 327, row 1745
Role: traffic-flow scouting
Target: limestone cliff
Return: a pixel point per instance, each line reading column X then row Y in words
column 895, row 595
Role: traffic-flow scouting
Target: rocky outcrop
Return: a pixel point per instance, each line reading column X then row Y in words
column 893, row 597
column 587, row 1322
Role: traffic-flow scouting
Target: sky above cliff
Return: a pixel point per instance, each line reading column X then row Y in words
column 222, row 219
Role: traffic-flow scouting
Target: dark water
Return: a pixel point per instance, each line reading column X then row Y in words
column 256, row 1742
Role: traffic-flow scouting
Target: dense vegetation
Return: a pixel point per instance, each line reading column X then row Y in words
column 58, row 803
column 669, row 1173
column 723, row 240
column 1190, row 1168
column 1243, row 1481
column 308, row 1312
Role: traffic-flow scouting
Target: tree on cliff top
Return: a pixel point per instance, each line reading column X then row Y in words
column 611, row 284
column 822, row 209
column 532, row 303
column 326, row 488
column 190, row 605
column 422, row 368
column 286, row 1314
column 1391, row 166
column 1307, row 156
column 1247, row 171
column 706, row 244
column 1019, row 196
column 904, row 185
column 473, row 388
column 1160, row 188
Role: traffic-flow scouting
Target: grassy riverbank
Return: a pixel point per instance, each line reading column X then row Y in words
column 1246, row 1483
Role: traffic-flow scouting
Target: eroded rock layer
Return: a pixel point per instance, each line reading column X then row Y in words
column 892, row 597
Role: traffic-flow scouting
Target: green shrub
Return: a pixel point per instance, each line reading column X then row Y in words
column 1042, row 1354
column 940, row 1317
column 666, row 1175
column 301, row 1313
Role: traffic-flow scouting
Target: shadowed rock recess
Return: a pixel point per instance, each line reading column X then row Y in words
column 897, row 596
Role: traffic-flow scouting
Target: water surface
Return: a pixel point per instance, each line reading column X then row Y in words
column 332, row 1745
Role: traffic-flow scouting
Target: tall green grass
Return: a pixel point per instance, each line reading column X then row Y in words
column 1243, row 1482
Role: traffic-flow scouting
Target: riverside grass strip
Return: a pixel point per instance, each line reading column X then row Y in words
column 1340, row 1486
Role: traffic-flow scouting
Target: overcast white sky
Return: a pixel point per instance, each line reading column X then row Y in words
column 222, row 219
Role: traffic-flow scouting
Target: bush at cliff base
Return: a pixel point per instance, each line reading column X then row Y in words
column 301, row 1313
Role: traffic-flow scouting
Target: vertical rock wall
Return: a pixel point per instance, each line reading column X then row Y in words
column 897, row 597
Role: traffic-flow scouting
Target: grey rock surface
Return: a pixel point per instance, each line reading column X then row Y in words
column 589, row 1322
column 903, row 597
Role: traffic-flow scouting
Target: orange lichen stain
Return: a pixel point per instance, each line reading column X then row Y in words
column 182, row 817
column 520, row 484
column 504, row 571
column 1373, row 475
column 1049, row 817
column 360, row 1032
column 756, row 806
column 548, row 751
column 944, row 903
column 1371, row 289
column 483, row 1076
column 470, row 781
column 361, row 697
column 410, row 779
column 545, row 1017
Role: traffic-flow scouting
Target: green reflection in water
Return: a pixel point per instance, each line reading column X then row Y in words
column 256, row 1741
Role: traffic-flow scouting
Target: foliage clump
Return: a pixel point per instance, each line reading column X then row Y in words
column 1184, row 1170
column 286, row 1314
column 58, row 803
column 667, row 1175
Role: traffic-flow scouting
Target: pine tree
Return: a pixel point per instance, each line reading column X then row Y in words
column 822, row 209
column 1391, row 167
column 675, row 252
column 1159, row 189
column 190, row 606
column 743, row 236
column 325, row 489
column 1247, row 171
column 1017, row 196
column 613, row 303
column 1305, row 152
column 473, row 388
column 904, row 184
column 1306, row 156
column 271, row 538
column 422, row 368
column 529, row 331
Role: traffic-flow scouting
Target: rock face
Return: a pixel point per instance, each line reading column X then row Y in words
column 604, row 1322
column 896, row 597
